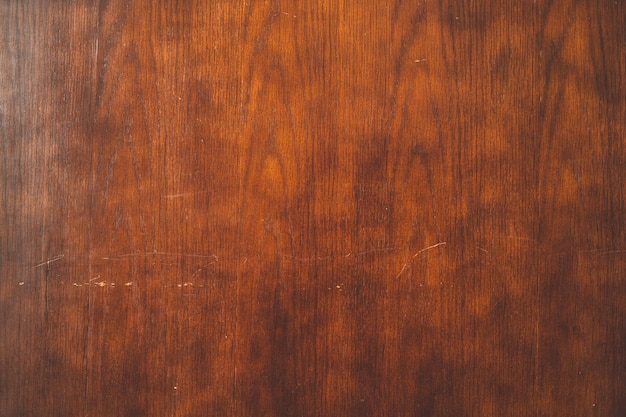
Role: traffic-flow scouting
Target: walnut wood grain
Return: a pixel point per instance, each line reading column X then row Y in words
column 312, row 208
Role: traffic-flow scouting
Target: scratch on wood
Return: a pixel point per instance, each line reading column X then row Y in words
column 101, row 284
column 146, row 254
column 419, row 252
column 181, row 195
column 329, row 257
column 603, row 251
column 48, row 262
column 428, row 248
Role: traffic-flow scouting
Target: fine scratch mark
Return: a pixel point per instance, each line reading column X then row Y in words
column 96, row 51
column 603, row 251
column 100, row 284
column 146, row 254
column 331, row 257
column 181, row 195
column 428, row 248
column 48, row 262
column 419, row 252
column 196, row 273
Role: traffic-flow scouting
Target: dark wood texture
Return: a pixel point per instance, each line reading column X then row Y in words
column 312, row 208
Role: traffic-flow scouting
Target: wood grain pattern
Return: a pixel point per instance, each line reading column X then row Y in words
column 312, row 208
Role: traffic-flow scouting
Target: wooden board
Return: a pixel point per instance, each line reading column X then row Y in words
column 312, row 208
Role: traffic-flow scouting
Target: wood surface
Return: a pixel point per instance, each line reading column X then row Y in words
column 312, row 208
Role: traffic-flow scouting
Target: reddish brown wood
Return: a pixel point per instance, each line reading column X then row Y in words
column 312, row 208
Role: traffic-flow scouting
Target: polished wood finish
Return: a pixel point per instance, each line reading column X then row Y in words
column 312, row 208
